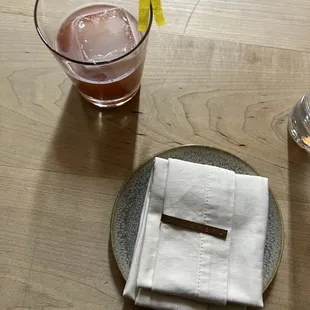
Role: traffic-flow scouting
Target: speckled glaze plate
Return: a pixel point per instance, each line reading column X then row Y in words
column 128, row 206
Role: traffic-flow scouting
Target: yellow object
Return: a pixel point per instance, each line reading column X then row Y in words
column 306, row 140
column 144, row 13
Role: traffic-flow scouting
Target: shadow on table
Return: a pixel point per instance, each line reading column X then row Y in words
column 96, row 142
column 299, row 224
column 87, row 141
column 120, row 282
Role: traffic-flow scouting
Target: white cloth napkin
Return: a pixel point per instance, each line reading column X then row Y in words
column 175, row 268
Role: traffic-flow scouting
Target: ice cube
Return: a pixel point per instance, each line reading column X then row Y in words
column 105, row 35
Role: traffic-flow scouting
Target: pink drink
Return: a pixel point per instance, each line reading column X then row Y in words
column 99, row 33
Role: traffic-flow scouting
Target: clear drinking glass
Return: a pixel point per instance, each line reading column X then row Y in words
column 97, row 44
column 299, row 122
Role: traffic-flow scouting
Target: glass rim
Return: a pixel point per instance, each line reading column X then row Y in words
column 54, row 51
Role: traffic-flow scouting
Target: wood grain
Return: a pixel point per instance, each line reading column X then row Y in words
column 221, row 73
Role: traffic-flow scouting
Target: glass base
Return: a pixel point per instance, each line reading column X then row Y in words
column 298, row 124
column 110, row 103
column 304, row 144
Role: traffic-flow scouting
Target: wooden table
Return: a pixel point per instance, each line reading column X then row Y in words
column 220, row 73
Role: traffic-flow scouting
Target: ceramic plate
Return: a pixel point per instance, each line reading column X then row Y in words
column 128, row 206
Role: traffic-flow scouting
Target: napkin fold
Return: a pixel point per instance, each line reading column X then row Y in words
column 176, row 268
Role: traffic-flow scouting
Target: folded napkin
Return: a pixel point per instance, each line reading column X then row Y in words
column 178, row 268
